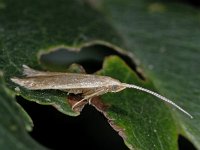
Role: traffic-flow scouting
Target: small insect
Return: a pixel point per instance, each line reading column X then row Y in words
column 86, row 84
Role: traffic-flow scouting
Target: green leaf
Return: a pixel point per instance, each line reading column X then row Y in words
column 141, row 126
column 158, row 34
column 165, row 39
column 14, row 123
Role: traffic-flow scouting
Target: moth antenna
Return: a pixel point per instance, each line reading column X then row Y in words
column 157, row 95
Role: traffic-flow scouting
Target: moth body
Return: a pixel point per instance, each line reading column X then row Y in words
column 87, row 85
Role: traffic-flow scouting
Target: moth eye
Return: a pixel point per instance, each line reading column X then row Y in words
column 114, row 88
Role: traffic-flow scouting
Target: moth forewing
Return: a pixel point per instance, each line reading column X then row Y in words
column 38, row 80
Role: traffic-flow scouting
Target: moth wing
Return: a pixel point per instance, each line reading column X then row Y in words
column 29, row 72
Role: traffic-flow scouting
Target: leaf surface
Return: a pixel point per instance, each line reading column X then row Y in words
column 165, row 39
column 14, row 123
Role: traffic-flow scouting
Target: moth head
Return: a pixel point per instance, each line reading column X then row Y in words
column 116, row 88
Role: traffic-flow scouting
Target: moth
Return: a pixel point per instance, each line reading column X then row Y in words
column 86, row 84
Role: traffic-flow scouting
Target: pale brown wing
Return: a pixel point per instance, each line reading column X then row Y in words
column 39, row 80
column 64, row 81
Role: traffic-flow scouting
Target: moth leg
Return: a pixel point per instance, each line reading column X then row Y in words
column 79, row 102
column 90, row 96
column 95, row 93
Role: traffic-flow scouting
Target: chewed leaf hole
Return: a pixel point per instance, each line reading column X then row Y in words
column 185, row 144
column 55, row 130
column 90, row 57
